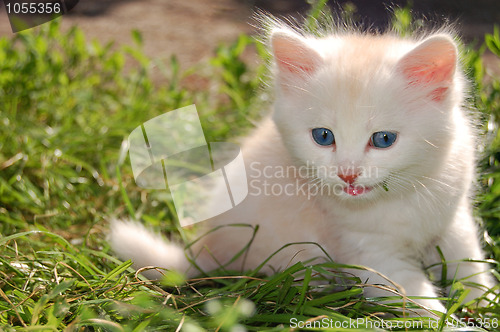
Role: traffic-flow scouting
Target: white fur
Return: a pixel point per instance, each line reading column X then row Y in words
column 133, row 241
column 355, row 85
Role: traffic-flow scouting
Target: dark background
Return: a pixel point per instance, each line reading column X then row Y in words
column 193, row 28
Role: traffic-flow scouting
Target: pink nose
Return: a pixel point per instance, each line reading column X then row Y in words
column 348, row 178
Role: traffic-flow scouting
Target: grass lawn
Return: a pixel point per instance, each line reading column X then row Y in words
column 67, row 105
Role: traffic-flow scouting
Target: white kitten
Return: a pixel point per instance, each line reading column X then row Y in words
column 368, row 153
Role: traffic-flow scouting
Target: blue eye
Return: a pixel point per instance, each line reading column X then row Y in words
column 323, row 136
column 383, row 139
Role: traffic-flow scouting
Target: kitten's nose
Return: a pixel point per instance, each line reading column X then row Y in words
column 348, row 178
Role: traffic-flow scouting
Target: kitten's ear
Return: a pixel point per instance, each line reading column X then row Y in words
column 293, row 55
column 431, row 64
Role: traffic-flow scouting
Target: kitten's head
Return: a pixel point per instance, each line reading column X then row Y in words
column 373, row 116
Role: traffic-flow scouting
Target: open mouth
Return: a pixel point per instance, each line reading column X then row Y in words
column 356, row 190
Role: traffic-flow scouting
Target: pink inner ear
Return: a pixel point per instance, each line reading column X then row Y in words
column 431, row 64
column 293, row 55
column 431, row 74
column 438, row 94
column 295, row 67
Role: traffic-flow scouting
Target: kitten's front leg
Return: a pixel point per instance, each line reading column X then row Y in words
column 402, row 273
column 458, row 243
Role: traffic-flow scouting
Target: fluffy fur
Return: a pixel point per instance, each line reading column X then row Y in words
column 419, row 188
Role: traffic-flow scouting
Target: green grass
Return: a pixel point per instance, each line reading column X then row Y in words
column 66, row 107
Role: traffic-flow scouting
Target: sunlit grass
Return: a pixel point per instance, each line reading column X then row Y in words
column 66, row 107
